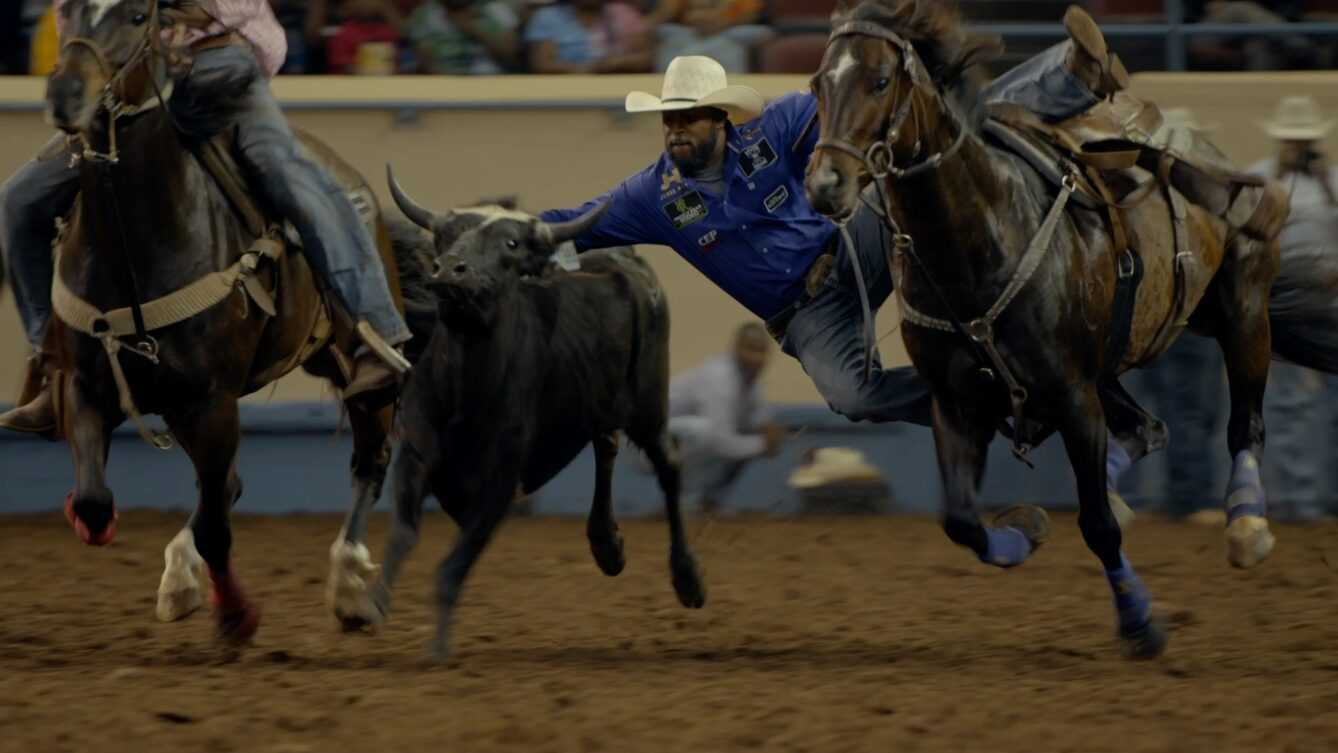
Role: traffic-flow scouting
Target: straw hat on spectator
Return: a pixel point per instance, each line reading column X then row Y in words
column 1298, row 119
column 832, row 465
column 1183, row 117
column 698, row 81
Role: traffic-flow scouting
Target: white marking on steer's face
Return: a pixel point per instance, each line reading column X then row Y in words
column 844, row 65
column 100, row 9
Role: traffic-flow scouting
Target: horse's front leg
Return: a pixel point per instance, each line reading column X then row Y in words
column 962, row 439
column 90, row 508
column 210, row 435
column 351, row 567
column 1084, row 432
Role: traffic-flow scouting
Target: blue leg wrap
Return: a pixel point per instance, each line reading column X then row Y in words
column 1132, row 602
column 1245, row 493
column 1007, row 547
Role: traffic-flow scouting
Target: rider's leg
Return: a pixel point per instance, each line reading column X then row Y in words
column 1067, row 78
column 30, row 202
column 827, row 335
column 334, row 238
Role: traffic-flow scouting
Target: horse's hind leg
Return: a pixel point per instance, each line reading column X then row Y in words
column 1084, row 432
column 962, row 443
column 351, row 567
column 210, row 437
column 1243, row 290
column 606, row 544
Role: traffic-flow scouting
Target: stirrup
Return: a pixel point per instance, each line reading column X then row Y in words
column 383, row 350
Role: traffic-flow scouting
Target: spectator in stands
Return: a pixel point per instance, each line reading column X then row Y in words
column 44, row 49
column 726, row 30
column 1262, row 52
column 1296, row 406
column 367, row 25
column 588, row 36
column 719, row 418
column 460, row 37
column 1187, row 389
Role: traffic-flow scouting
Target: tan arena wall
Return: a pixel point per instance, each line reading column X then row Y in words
column 560, row 157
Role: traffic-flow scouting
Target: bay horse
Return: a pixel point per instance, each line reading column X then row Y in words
column 149, row 222
column 1008, row 291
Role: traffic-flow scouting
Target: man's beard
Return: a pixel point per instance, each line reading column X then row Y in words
column 692, row 165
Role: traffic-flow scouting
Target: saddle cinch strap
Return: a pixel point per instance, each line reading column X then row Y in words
column 177, row 306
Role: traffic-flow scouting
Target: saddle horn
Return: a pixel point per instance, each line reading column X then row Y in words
column 416, row 213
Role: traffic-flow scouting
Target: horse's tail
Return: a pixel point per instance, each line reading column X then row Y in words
column 1303, row 307
column 413, row 256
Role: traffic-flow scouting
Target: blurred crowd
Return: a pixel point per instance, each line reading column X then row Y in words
column 462, row 37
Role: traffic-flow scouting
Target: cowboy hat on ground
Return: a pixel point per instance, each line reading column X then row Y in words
column 698, row 81
column 834, row 465
column 1297, row 119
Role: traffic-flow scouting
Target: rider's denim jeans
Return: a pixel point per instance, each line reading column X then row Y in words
column 336, row 242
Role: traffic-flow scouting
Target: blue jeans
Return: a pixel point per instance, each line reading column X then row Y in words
column 334, row 239
column 1043, row 85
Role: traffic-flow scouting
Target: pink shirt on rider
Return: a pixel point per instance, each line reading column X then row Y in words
column 253, row 19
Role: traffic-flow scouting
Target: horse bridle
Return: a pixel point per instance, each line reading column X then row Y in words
column 878, row 158
column 113, row 96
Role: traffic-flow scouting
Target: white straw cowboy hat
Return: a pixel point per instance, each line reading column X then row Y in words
column 1298, row 119
column 833, row 465
column 1183, row 117
column 698, row 81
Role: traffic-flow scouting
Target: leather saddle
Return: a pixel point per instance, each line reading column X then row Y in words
column 275, row 284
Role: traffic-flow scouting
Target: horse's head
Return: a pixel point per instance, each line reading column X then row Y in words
column 878, row 89
column 105, row 60
column 482, row 251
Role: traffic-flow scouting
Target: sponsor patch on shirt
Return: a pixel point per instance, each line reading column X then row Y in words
column 670, row 181
column 707, row 241
column 686, row 210
column 756, row 157
column 776, row 199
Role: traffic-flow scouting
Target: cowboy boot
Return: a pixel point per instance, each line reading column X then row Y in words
column 377, row 368
column 36, row 412
column 1089, row 58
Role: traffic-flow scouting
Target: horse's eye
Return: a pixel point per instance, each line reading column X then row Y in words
column 513, row 243
column 139, row 19
column 881, row 85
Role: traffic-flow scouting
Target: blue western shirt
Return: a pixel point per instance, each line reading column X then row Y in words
column 757, row 239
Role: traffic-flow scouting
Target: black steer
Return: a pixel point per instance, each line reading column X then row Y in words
column 526, row 367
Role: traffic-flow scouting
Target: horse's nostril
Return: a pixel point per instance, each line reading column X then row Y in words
column 460, row 268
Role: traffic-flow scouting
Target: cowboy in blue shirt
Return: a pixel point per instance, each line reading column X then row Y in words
column 727, row 194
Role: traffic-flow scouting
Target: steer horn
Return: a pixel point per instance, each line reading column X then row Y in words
column 416, row 213
column 557, row 233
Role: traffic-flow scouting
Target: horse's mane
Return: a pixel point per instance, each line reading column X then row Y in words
column 949, row 52
column 205, row 104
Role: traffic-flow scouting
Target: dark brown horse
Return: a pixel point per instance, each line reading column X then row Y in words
column 151, row 221
column 897, row 108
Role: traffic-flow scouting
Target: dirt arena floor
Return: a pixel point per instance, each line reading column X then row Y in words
column 819, row 635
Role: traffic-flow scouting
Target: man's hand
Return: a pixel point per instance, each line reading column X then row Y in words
column 774, row 435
